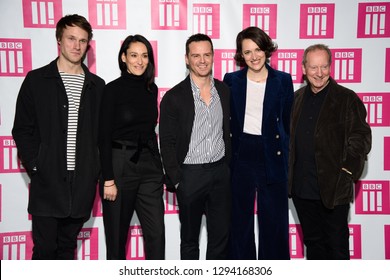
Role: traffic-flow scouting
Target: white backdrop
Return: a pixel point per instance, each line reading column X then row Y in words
column 358, row 33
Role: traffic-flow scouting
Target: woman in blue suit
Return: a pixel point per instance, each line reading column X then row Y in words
column 261, row 99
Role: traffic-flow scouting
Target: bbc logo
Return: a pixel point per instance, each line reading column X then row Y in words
column 42, row 13
column 263, row 16
column 10, row 163
column 316, row 21
column 15, row 57
column 169, row 14
column 372, row 198
column 107, row 14
column 374, row 20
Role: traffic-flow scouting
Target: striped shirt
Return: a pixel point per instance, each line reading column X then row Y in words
column 73, row 85
column 206, row 144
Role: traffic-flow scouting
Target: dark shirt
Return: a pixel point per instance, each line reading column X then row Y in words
column 128, row 113
column 305, row 183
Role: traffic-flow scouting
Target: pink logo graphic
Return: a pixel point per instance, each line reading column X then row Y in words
column 161, row 93
column 375, row 104
column 15, row 57
column 169, row 14
column 317, row 21
column 289, row 61
column 206, row 19
column 107, row 14
column 8, row 153
column 42, row 13
column 16, row 245
column 355, row 241
column 90, row 59
column 347, row 65
column 155, row 54
column 87, row 244
column 372, row 198
column 387, row 242
column 374, row 20
column 224, row 62
column 171, row 205
column 263, row 16
column 1, row 203
column 386, row 153
column 97, row 210
column 387, row 66
column 296, row 243
column 135, row 244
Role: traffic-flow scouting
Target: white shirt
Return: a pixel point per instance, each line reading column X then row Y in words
column 254, row 107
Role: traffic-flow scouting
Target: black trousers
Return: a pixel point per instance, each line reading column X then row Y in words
column 204, row 189
column 140, row 189
column 55, row 238
column 325, row 231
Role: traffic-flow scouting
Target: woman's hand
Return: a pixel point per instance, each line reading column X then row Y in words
column 110, row 190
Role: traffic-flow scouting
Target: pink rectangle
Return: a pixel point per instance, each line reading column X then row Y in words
column 171, row 205
column 296, row 241
column 347, row 65
column 15, row 57
column 387, row 242
column 377, row 106
column 154, row 44
column 387, row 66
column 107, row 14
column 97, row 210
column 135, row 244
column 206, row 19
column 290, row 61
column 386, row 153
column 355, row 241
column 88, row 244
column 373, row 20
column 16, row 245
column 372, row 197
column 42, row 13
column 169, row 14
column 224, row 62
column 316, row 21
column 263, row 16
column 9, row 161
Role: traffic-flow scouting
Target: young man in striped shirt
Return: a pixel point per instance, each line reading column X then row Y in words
column 55, row 130
column 195, row 148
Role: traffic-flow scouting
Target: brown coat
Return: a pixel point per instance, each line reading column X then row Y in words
column 342, row 139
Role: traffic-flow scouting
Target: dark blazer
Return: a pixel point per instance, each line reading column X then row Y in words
column 40, row 133
column 342, row 139
column 177, row 112
column 279, row 94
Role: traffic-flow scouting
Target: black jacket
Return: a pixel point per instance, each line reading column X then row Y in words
column 342, row 138
column 177, row 113
column 40, row 133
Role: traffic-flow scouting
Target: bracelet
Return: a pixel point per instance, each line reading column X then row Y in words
column 113, row 184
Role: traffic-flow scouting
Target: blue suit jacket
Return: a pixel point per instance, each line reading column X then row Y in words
column 279, row 95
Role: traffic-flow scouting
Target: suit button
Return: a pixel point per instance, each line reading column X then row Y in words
column 277, row 136
column 279, row 153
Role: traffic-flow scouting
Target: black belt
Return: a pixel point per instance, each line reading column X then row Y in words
column 137, row 147
column 206, row 165
column 120, row 146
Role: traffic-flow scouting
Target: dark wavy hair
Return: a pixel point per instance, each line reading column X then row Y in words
column 150, row 69
column 73, row 20
column 258, row 36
